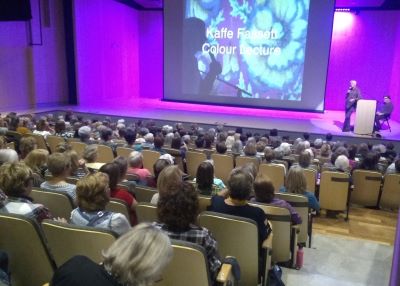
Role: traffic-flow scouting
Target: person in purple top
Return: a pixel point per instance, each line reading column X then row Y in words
column 264, row 193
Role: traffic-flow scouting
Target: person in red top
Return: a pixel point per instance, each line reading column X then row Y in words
column 113, row 172
column 136, row 166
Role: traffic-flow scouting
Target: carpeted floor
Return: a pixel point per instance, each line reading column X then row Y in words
column 336, row 261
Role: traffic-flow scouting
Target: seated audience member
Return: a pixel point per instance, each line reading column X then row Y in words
column 352, row 149
column 221, row 148
column 370, row 162
column 114, row 174
column 158, row 166
column 342, row 164
column 168, row 178
column 205, row 181
column 149, row 141
column 61, row 130
column 93, row 194
column 296, row 183
column 90, row 153
column 84, row 134
column 177, row 144
column 106, row 138
column 136, row 166
column 16, row 183
column 394, row 167
column 78, row 166
column 43, row 128
column 260, row 147
column 37, row 161
column 26, row 145
column 122, row 163
column 59, row 165
column 250, row 149
column 264, row 193
column 8, row 156
column 240, row 186
column 137, row 258
column 130, row 138
column 237, row 147
column 158, row 145
column 384, row 111
column 177, row 214
column 23, row 126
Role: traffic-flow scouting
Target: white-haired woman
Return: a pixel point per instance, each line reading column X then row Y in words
column 137, row 259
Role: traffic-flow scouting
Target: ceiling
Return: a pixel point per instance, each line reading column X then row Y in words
column 363, row 4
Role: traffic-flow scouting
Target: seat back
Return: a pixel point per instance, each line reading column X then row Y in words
column 146, row 212
column 276, row 173
column 204, row 203
column 334, row 191
column 177, row 157
column 223, row 165
column 40, row 141
column 367, row 185
column 105, row 154
column 283, row 244
column 193, row 160
column 124, row 152
column 311, row 179
column 238, row 237
column 78, row 147
column 149, row 158
column 30, row 260
column 300, row 204
column 391, row 192
column 144, row 194
column 59, row 204
column 118, row 206
column 67, row 240
column 243, row 160
column 189, row 266
column 53, row 141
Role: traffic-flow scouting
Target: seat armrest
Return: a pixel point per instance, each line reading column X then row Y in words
column 225, row 274
column 268, row 242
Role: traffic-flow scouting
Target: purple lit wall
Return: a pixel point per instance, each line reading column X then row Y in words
column 107, row 52
column 364, row 48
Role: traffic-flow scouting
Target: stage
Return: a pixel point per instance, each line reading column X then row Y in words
column 293, row 123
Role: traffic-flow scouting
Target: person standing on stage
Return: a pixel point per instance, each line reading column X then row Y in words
column 384, row 112
column 352, row 96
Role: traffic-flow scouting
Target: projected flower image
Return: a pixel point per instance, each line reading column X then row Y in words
column 260, row 43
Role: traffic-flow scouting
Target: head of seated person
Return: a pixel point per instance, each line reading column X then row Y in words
column 90, row 153
column 296, row 181
column 342, row 163
column 130, row 136
column 169, row 180
column 93, row 192
column 305, row 159
column 250, row 149
column 113, row 172
column 26, row 145
column 370, row 161
column 136, row 258
column 105, row 134
column 16, row 179
column 59, row 165
column 8, row 156
column 205, row 178
column 122, row 163
column 240, row 185
column 263, row 189
column 221, row 147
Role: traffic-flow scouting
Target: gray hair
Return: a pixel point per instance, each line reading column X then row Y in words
column 135, row 159
column 139, row 256
column 8, row 156
column 90, row 153
column 149, row 137
column 342, row 163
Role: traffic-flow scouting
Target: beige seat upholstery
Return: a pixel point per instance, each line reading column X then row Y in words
column 223, row 165
column 124, row 152
column 367, row 186
column 300, row 204
column 334, row 191
column 105, row 154
column 391, row 192
column 149, row 158
column 146, row 212
column 118, row 206
column 204, row 203
column 59, row 204
column 189, row 266
column 78, row 147
column 284, row 242
column 67, row 240
column 243, row 160
column 311, row 179
column 238, row 237
column 193, row 160
column 29, row 258
column 144, row 194
column 275, row 172
column 53, row 141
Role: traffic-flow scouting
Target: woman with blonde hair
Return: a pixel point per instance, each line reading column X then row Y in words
column 37, row 161
column 93, row 194
column 296, row 183
column 137, row 259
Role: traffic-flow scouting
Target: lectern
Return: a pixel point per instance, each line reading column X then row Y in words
column 365, row 117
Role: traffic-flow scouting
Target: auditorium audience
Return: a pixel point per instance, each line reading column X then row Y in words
column 137, row 258
column 93, row 194
column 16, row 183
column 136, row 167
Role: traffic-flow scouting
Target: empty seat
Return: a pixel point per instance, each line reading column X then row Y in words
column 367, row 185
column 391, row 192
column 59, row 204
column 146, row 212
column 193, row 160
column 275, row 172
column 223, row 165
column 149, row 158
